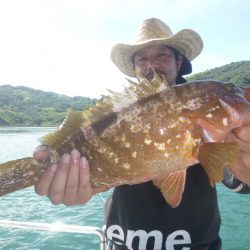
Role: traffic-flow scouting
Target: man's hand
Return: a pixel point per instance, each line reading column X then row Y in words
column 241, row 168
column 67, row 182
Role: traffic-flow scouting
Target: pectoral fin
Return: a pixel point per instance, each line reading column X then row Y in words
column 215, row 156
column 172, row 187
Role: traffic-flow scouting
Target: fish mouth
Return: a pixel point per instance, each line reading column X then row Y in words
column 150, row 76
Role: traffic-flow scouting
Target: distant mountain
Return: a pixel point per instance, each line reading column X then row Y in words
column 29, row 107
column 235, row 72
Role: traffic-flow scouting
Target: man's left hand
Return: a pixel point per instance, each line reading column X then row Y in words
column 241, row 168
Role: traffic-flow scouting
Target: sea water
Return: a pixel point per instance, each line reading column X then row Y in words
column 25, row 205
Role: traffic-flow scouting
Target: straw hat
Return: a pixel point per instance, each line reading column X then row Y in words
column 155, row 32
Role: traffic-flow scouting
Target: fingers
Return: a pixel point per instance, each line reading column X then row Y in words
column 58, row 185
column 78, row 188
column 42, row 187
column 85, row 187
column 69, row 181
column 243, row 133
column 241, row 136
column 72, row 181
column 84, row 179
column 41, row 153
column 241, row 168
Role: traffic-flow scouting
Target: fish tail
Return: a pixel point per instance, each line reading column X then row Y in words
column 19, row 174
column 214, row 157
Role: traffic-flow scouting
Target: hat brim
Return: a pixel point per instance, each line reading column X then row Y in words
column 187, row 42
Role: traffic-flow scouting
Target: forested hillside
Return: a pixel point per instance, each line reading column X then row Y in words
column 236, row 72
column 29, row 107
column 22, row 106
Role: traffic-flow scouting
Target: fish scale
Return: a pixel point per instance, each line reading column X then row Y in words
column 154, row 135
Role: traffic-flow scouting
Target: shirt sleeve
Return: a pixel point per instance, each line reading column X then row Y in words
column 235, row 185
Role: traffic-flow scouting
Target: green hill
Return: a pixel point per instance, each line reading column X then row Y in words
column 236, row 72
column 29, row 107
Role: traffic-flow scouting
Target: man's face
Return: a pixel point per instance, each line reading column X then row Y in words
column 161, row 59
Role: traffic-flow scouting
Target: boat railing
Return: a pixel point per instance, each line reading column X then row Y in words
column 57, row 227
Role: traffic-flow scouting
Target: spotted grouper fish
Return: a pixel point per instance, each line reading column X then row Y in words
column 149, row 130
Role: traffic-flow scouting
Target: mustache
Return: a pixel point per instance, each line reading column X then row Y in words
column 150, row 75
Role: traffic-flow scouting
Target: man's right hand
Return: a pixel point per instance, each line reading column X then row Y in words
column 67, row 182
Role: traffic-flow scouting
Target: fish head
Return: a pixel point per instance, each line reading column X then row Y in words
column 216, row 108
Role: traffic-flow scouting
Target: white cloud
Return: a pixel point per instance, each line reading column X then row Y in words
column 37, row 51
column 64, row 45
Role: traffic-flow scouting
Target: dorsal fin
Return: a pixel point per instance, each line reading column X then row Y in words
column 102, row 108
column 70, row 125
column 119, row 100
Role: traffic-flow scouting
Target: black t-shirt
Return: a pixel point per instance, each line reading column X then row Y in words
column 138, row 217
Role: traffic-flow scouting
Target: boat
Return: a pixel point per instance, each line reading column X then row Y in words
column 55, row 227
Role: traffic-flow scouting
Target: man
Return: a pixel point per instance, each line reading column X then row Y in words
column 137, row 216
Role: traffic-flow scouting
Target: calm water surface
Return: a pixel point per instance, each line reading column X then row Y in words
column 25, row 205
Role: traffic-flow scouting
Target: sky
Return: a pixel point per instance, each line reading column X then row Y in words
column 64, row 46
